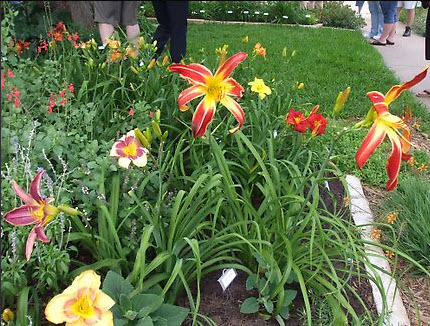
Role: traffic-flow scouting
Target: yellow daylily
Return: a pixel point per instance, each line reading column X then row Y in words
column 222, row 54
column 82, row 303
column 258, row 86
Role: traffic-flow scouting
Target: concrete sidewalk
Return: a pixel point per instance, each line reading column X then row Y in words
column 405, row 58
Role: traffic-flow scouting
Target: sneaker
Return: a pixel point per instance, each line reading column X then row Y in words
column 407, row 32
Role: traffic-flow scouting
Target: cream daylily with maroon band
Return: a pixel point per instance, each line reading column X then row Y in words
column 215, row 88
column 82, row 303
column 129, row 149
column 387, row 124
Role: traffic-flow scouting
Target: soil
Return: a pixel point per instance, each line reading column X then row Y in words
column 223, row 307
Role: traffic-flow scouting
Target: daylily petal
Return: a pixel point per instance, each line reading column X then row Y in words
column 236, row 110
column 30, row 243
column 203, row 116
column 100, row 318
column 87, row 280
column 25, row 197
column 113, row 151
column 35, row 186
column 124, row 162
column 227, row 68
column 194, row 73
column 396, row 90
column 21, row 215
column 376, row 97
column 140, row 161
column 40, row 234
column 372, row 140
column 393, row 163
column 234, row 89
column 189, row 94
column 57, row 311
column 103, row 301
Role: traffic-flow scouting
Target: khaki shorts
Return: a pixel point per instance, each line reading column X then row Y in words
column 116, row 12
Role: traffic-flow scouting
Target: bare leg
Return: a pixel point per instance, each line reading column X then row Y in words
column 410, row 17
column 388, row 31
column 106, row 30
column 133, row 33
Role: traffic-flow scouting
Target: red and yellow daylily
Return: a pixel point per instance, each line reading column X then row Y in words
column 387, row 124
column 82, row 303
column 297, row 119
column 219, row 87
column 36, row 210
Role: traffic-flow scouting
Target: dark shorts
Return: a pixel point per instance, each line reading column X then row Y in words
column 116, row 12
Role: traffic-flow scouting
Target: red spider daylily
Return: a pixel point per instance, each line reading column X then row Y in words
column 215, row 88
column 36, row 210
column 387, row 124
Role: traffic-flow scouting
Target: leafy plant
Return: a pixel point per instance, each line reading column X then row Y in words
column 140, row 307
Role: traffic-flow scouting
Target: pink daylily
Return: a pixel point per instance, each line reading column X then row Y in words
column 129, row 149
column 36, row 210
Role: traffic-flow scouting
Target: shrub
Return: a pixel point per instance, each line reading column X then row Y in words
column 335, row 14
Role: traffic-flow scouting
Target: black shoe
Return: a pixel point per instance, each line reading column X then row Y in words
column 407, row 32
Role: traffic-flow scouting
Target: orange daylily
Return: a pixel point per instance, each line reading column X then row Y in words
column 387, row 124
column 215, row 88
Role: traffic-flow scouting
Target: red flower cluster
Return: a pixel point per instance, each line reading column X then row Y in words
column 54, row 100
column 19, row 45
column 43, row 45
column 58, row 32
column 14, row 94
column 315, row 121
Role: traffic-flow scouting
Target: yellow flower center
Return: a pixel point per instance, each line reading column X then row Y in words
column 215, row 89
column 83, row 307
column 297, row 119
column 130, row 149
column 38, row 213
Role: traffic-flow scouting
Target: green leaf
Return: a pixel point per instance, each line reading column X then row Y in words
column 130, row 314
column 147, row 321
column 251, row 282
column 120, row 322
column 114, row 285
column 170, row 315
column 268, row 305
column 289, row 297
column 146, row 304
column 249, row 306
column 125, row 302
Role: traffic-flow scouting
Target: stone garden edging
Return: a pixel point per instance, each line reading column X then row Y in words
column 362, row 215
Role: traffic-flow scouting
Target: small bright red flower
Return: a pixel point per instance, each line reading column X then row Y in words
column 151, row 115
column 131, row 112
column 71, row 88
column 2, row 80
column 316, row 122
column 9, row 73
column 17, row 102
column 298, row 120
column 62, row 93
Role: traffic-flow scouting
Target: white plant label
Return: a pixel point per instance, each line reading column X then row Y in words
column 228, row 275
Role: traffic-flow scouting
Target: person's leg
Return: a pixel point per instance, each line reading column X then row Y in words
column 178, row 12
column 107, row 15
column 390, row 18
column 162, row 33
column 380, row 18
column 129, row 20
column 374, row 18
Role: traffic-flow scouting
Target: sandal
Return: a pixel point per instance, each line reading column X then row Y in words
column 424, row 93
column 376, row 42
column 390, row 43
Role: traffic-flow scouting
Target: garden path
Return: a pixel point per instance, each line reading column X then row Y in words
column 405, row 58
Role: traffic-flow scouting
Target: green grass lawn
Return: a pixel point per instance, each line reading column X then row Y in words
column 326, row 60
